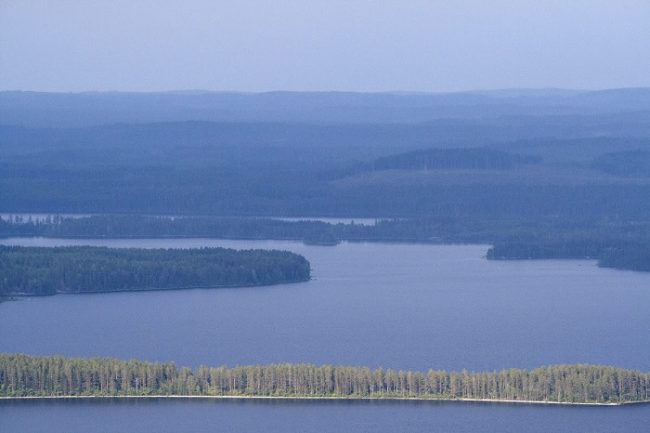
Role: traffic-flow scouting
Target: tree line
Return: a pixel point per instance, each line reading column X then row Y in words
column 634, row 257
column 610, row 253
column 23, row 375
column 476, row 158
column 626, row 163
column 614, row 243
column 47, row 271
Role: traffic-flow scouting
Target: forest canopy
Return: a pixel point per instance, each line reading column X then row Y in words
column 23, row 375
column 47, row 271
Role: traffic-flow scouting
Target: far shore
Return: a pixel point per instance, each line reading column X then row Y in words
column 326, row 398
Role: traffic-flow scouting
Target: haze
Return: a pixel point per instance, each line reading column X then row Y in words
column 322, row 45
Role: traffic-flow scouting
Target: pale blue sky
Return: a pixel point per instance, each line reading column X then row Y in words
column 362, row 45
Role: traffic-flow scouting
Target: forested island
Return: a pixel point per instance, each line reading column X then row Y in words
column 630, row 256
column 613, row 243
column 50, row 376
column 81, row 269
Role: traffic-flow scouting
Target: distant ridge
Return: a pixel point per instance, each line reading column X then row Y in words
column 29, row 108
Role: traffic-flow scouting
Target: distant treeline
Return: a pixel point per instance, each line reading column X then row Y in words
column 454, row 159
column 610, row 253
column 128, row 226
column 614, row 244
column 635, row 258
column 47, row 271
column 136, row 226
column 626, row 164
column 22, row 375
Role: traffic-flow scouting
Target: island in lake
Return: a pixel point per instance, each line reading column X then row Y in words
column 33, row 271
column 24, row 376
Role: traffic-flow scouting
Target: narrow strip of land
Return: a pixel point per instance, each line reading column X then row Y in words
column 324, row 398
column 23, row 376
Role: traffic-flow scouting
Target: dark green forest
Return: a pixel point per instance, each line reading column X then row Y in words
column 23, row 375
column 47, row 271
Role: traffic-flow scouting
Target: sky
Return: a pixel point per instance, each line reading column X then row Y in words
column 323, row 45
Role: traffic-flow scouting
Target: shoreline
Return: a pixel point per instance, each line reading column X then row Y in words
column 20, row 296
column 322, row 398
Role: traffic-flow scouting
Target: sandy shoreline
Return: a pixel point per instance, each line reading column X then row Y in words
column 266, row 397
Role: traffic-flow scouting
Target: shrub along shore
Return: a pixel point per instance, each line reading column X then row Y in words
column 24, row 376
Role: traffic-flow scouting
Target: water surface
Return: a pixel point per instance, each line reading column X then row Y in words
column 203, row 416
column 389, row 305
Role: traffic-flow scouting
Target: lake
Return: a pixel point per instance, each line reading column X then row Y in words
column 389, row 305
column 235, row 416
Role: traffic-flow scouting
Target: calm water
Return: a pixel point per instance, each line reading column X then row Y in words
column 399, row 306
column 163, row 416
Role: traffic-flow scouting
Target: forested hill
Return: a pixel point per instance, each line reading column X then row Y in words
column 22, row 375
column 267, row 169
column 47, row 271
column 453, row 159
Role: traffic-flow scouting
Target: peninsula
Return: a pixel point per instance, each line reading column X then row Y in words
column 33, row 271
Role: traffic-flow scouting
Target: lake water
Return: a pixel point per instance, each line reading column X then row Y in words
column 389, row 305
column 203, row 416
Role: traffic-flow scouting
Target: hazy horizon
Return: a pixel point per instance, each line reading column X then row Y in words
column 181, row 91
column 359, row 46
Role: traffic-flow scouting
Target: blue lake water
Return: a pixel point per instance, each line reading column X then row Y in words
column 388, row 305
column 203, row 416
